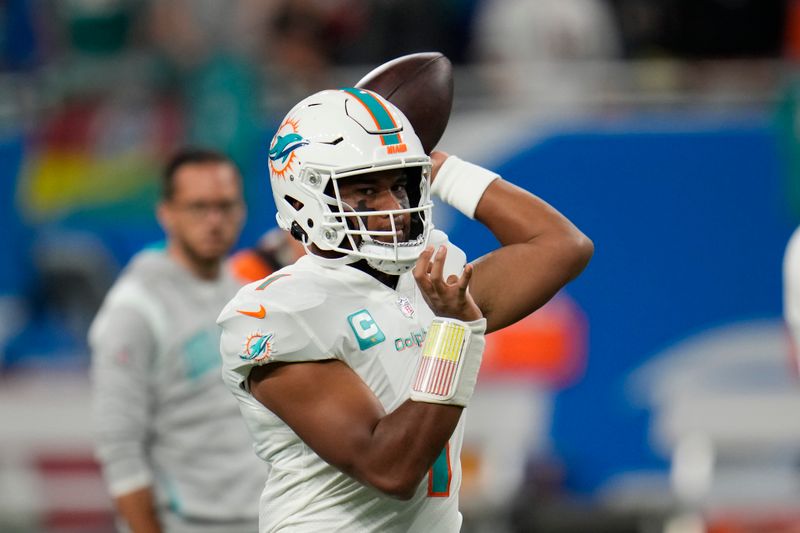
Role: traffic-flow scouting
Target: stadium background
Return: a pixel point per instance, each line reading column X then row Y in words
column 656, row 393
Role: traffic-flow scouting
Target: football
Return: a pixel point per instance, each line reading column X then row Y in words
column 421, row 86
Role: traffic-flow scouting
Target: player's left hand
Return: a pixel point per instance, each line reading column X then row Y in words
column 446, row 297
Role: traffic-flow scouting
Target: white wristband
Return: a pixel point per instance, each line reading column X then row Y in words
column 451, row 357
column 462, row 184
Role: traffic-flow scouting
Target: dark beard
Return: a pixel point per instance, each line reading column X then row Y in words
column 203, row 264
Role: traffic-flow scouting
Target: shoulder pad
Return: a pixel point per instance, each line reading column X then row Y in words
column 261, row 331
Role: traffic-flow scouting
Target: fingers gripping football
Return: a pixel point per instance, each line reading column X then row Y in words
column 446, row 297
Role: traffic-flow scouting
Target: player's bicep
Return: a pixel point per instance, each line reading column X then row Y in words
column 541, row 252
column 325, row 402
column 508, row 284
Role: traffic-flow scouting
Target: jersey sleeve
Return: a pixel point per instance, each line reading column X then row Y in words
column 123, row 349
column 280, row 335
column 791, row 289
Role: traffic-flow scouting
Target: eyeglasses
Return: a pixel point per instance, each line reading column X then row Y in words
column 204, row 209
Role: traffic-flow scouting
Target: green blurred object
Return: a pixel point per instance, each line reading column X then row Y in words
column 221, row 107
column 104, row 34
column 99, row 28
column 787, row 125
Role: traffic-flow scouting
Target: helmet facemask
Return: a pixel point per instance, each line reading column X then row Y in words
column 383, row 249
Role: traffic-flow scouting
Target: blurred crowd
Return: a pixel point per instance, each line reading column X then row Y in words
column 94, row 94
column 306, row 35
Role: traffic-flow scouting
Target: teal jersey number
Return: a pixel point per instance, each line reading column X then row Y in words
column 440, row 474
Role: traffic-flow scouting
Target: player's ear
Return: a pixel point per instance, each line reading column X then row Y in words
column 242, row 215
column 165, row 216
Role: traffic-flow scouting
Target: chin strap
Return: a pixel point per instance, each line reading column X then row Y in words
column 391, row 259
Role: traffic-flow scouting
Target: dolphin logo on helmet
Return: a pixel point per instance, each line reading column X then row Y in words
column 285, row 145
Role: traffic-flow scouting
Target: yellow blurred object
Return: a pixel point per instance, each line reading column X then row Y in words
column 58, row 183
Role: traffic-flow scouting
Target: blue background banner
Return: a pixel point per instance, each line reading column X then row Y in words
column 689, row 220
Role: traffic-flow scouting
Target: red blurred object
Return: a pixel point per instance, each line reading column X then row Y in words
column 548, row 346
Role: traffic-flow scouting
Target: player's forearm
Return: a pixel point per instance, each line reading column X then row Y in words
column 138, row 510
column 542, row 251
column 333, row 412
column 404, row 445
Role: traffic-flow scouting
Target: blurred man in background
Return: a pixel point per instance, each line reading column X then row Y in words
column 174, row 451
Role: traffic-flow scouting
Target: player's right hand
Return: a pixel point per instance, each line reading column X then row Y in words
column 446, row 297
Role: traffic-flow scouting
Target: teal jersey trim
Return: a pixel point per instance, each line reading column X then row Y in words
column 439, row 480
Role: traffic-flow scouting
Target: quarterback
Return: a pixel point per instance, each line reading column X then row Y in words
column 353, row 366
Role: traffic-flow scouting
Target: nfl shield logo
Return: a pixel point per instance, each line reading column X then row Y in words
column 405, row 307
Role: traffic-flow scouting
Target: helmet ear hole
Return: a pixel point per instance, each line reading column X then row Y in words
column 298, row 233
column 294, row 202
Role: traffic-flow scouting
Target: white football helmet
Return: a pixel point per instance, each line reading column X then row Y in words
column 336, row 134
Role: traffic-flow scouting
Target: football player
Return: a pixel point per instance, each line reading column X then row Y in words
column 353, row 366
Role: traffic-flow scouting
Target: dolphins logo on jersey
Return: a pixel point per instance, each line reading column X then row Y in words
column 282, row 150
column 258, row 347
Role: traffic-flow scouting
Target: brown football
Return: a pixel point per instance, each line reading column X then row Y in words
column 421, row 85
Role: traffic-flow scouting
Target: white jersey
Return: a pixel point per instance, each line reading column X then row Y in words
column 315, row 311
column 791, row 289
